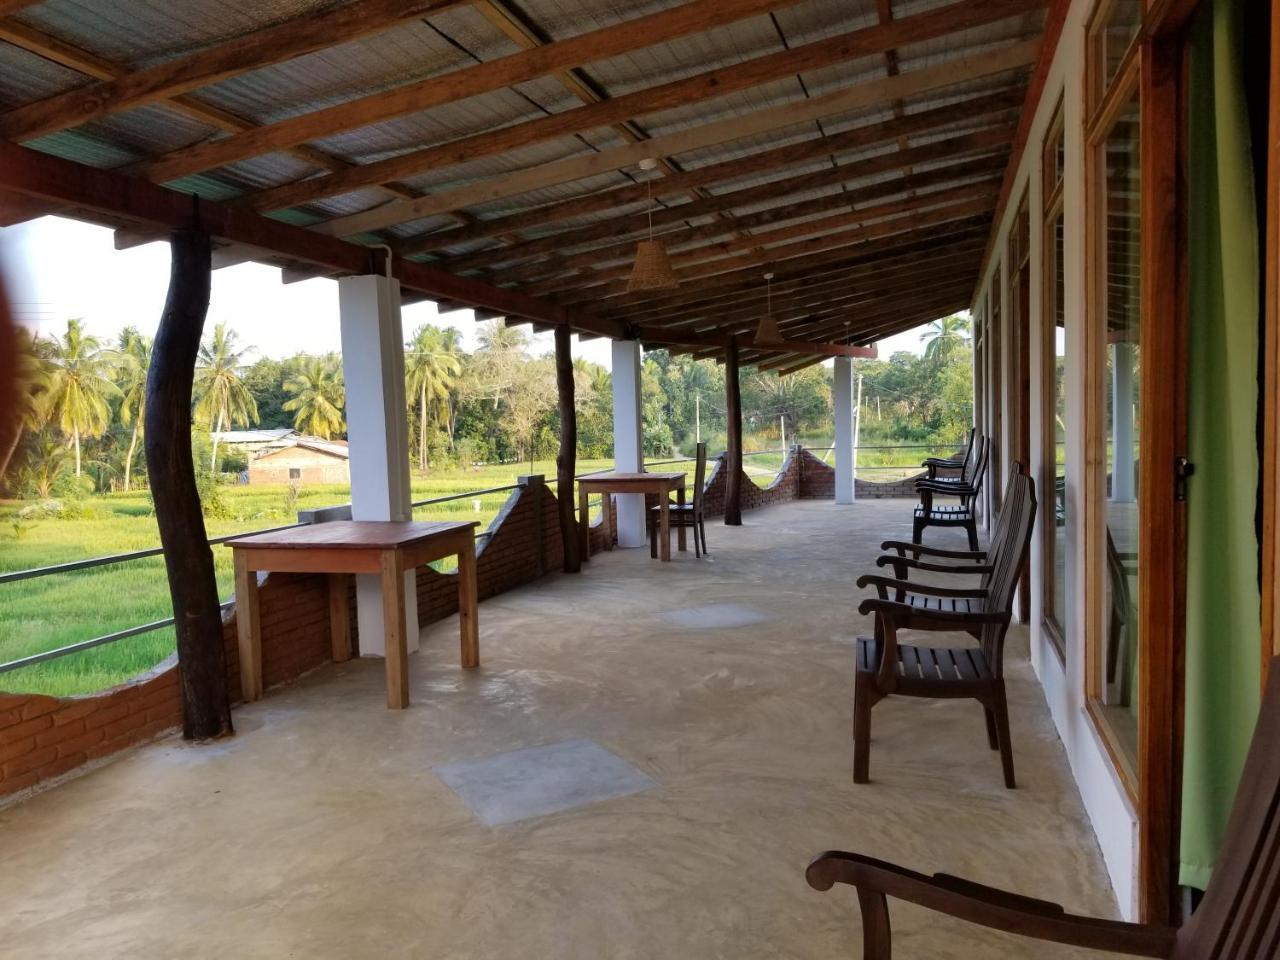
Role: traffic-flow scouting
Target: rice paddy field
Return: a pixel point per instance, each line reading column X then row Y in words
column 48, row 612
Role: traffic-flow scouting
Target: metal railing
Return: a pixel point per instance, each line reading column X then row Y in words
column 119, row 558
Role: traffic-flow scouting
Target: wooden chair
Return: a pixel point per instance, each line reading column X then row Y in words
column 885, row 666
column 934, row 464
column 966, row 487
column 688, row 515
column 1238, row 919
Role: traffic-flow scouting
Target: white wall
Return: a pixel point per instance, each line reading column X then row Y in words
column 1113, row 817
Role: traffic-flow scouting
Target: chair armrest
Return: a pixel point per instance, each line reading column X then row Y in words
column 979, row 904
column 901, row 563
column 928, row 589
column 942, row 463
column 904, row 547
column 945, row 486
column 903, row 616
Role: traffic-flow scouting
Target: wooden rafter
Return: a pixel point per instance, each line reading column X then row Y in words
column 694, row 17
column 621, row 112
column 1015, row 56
column 283, row 41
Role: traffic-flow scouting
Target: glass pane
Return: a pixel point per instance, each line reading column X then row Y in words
column 1118, row 685
column 1123, row 20
column 1057, row 543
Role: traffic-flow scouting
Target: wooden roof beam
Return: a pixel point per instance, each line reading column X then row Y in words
column 693, row 17
column 1014, row 56
column 46, row 177
column 612, row 283
column 303, row 34
column 776, row 158
column 977, row 152
column 621, row 112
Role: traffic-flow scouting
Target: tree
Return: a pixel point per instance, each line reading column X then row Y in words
column 134, row 352
column 943, row 337
column 45, row 462
column 31, row 394
column 222, row 398
column 431, row 369
column 78, row 371
column 318, row 397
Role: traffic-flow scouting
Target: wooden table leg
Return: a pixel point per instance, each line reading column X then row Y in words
column 339, row 617
column 606, row 518
column 584, row 523
column 397, row 644
column 681, row 539
column 248, row 629
column 468, row 621
column 664, row 526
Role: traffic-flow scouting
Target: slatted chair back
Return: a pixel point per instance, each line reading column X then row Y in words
column 699, row 478
column 1017, row 519
column 1239, row 917
column 976, row 466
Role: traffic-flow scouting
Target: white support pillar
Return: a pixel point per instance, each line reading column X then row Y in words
column 378, row 433
column 628, row 449
column 842, row 399
column 1122, row 446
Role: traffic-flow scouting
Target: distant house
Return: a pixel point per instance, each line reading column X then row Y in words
column 301, row 459
column 251, row 442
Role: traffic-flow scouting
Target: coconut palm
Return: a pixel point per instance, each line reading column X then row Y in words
column 78, row 370
column 431, row 368
column 222, row 398
column 134, row 353
column 318, row 397
column 943, row 337
column 31, row 394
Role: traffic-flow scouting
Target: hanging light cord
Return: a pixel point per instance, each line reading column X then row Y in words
column 649, row 206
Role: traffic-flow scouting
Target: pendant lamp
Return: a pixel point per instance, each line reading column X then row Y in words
column 652, row 270
column 767, row 331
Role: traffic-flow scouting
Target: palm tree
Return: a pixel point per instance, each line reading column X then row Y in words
column 78, row 371
column 134, row 351
column 497, row 336
column 431, row 369
column 943, row 337
column 32, row 386
column 222, row 398
column 318, row 397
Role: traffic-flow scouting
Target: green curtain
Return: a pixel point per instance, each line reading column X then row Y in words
column 1223, row 606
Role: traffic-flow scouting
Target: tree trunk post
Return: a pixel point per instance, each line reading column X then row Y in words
column 206, row 710
column 567, row 457
column 733, row 441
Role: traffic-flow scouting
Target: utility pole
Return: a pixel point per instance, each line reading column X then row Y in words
column 857, row 428
column 697, row 418
column 877, row 408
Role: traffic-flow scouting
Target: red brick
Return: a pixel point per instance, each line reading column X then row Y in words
column 16, row 748
column 56, row 734
column 12, row 701
column 14, row 784
column 30, row 761
column 38, row 707
column 28, row 728
column 9, row 718
column 132, row 722
column 170, row 713
column 64, row 765
column 81, row 743
column 75, row 710
column 110, row 714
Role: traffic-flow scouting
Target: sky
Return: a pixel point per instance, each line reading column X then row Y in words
column 56, row 268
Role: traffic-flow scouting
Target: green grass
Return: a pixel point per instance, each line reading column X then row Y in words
column 54, row 611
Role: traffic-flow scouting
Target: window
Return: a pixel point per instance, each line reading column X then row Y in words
column 295, row 473
column 1054, row 391
column 1113, row 193
column 995, row 470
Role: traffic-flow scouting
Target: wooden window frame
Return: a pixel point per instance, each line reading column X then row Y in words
column 1154, row 65
column 1018, row 265
column 996, row 329
column 1052, row 207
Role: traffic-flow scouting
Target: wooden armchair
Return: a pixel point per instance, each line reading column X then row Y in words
column 687, row 515
column 934, row 464
column 966, row 488
column 885, row 666
column 1238, row 919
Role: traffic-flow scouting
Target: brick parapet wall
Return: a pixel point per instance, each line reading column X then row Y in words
column 43, row 739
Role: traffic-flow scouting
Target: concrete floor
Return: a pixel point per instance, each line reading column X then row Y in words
column 321, row 830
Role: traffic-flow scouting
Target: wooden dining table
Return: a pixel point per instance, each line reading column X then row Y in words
column 623, row 483
column 339, row 549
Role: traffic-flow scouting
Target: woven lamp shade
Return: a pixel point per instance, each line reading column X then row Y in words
column 653, row 268
column 768, row 331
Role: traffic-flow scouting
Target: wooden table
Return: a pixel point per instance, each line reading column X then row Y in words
column 606, row 483
column 342, row 548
